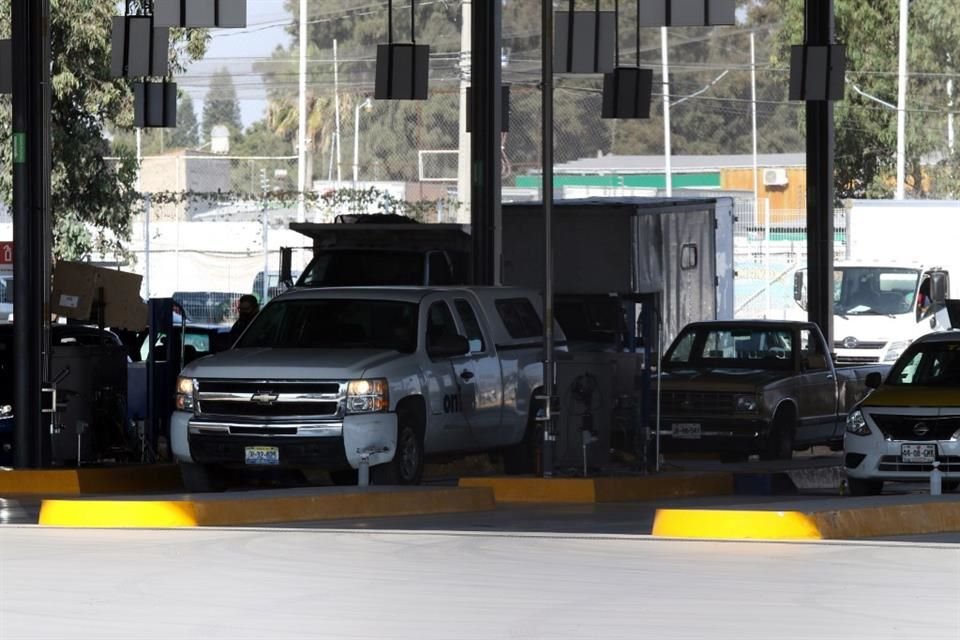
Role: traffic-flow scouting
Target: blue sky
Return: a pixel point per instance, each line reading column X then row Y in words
column 238, row 50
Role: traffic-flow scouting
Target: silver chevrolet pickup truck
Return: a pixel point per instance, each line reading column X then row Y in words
column 456, row 369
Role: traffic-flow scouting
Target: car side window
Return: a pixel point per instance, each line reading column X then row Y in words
column 440, row 322
column 470, row 324
column 519, row 318
column 811, row 351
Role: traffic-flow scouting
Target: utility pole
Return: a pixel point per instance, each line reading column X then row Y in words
column 302, row 117
column 30, row 20
column 546, row 80
column 667, row 146
column 336, row 104
column 902, row 100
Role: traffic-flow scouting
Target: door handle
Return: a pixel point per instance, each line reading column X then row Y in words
column 829, row 376
column 466, row 375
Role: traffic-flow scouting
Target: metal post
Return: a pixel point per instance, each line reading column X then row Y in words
column 31, row 189
column 485, row 138
column 146, row 244
column 820, row 139
column 336, row 108
column 547, row 159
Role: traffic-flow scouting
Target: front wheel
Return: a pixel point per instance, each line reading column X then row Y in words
column 779, row 443
column 407, row 464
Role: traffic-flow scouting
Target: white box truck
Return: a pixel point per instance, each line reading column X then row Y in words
column 892, row 285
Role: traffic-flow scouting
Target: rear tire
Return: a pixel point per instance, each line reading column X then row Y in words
column 950, row 486
column 521, row 458
column 861, row 487
column 200, row 478
column 406, row 468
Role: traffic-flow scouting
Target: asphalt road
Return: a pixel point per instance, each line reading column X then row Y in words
column 256, row 583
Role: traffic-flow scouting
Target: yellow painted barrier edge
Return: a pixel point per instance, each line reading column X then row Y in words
column 239, row 511
column 537, row 490
column 719, row 524
column 118, row 513
column 592, row 490
column 48, row 482
column 889, row 520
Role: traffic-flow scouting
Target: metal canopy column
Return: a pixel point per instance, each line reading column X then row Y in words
column 31, row 188
column 818, row 17
column 485, row 139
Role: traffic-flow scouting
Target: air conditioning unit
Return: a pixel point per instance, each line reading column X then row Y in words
column 775, row 177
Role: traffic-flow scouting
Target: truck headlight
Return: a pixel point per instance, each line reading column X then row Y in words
column 366, row 396
column 746, row 403
column 894, row 350
column 186, row 394
column 857, row 424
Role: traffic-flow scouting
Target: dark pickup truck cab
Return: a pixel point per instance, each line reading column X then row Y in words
column 755, row 386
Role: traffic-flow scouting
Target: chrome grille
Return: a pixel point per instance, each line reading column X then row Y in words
column 693, row 402
column 857, row 359
column 838, row 344
column 270, row 398
column 904, row 427
column 948, row 464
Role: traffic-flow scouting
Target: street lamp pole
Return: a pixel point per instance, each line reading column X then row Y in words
column 356, row 138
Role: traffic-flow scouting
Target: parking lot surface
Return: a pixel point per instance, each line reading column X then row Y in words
column 257, row 583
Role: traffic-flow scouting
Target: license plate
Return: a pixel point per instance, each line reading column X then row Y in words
column 687, row 430
column 918, row 452
column 262, row 455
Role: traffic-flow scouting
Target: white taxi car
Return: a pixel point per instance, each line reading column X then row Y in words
column 910, row 421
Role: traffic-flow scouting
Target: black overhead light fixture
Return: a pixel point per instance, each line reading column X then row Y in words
column 688, row 13
column 584, row 41
column 403, row 68
column 627, row 90
column 817, row 72
column 154, row 104
column 138, row 48
column 200, row 13
column 6, row 66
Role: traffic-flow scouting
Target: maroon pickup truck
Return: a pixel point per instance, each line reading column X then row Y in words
column 755, row 386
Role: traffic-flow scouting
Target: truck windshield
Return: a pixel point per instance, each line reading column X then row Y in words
column 752, row 348
column 334, row 324
column 861, row 291
column 934, row 364
column 352, row 268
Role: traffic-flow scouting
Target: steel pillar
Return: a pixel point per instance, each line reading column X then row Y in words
column 485, row 139
column 818, row 15
column 31, row 200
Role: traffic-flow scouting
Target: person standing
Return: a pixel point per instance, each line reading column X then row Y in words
column 247, row 309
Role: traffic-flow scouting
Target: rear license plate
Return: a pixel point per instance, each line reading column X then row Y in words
column 262, row 455
column 686, row 430
column 918, row 452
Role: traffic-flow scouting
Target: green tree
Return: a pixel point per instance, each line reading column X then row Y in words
column 221, row 106
column 865, row 129
column 92, row 198
column 187, row 133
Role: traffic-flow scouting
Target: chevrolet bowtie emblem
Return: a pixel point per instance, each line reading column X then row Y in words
column 264, row 397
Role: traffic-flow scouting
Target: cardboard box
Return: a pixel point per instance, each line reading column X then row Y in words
column 76, row 288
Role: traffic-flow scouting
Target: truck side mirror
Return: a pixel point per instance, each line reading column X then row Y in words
column 448, row 347
column 873, row 380
column 800, row 288
column 939, row 281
